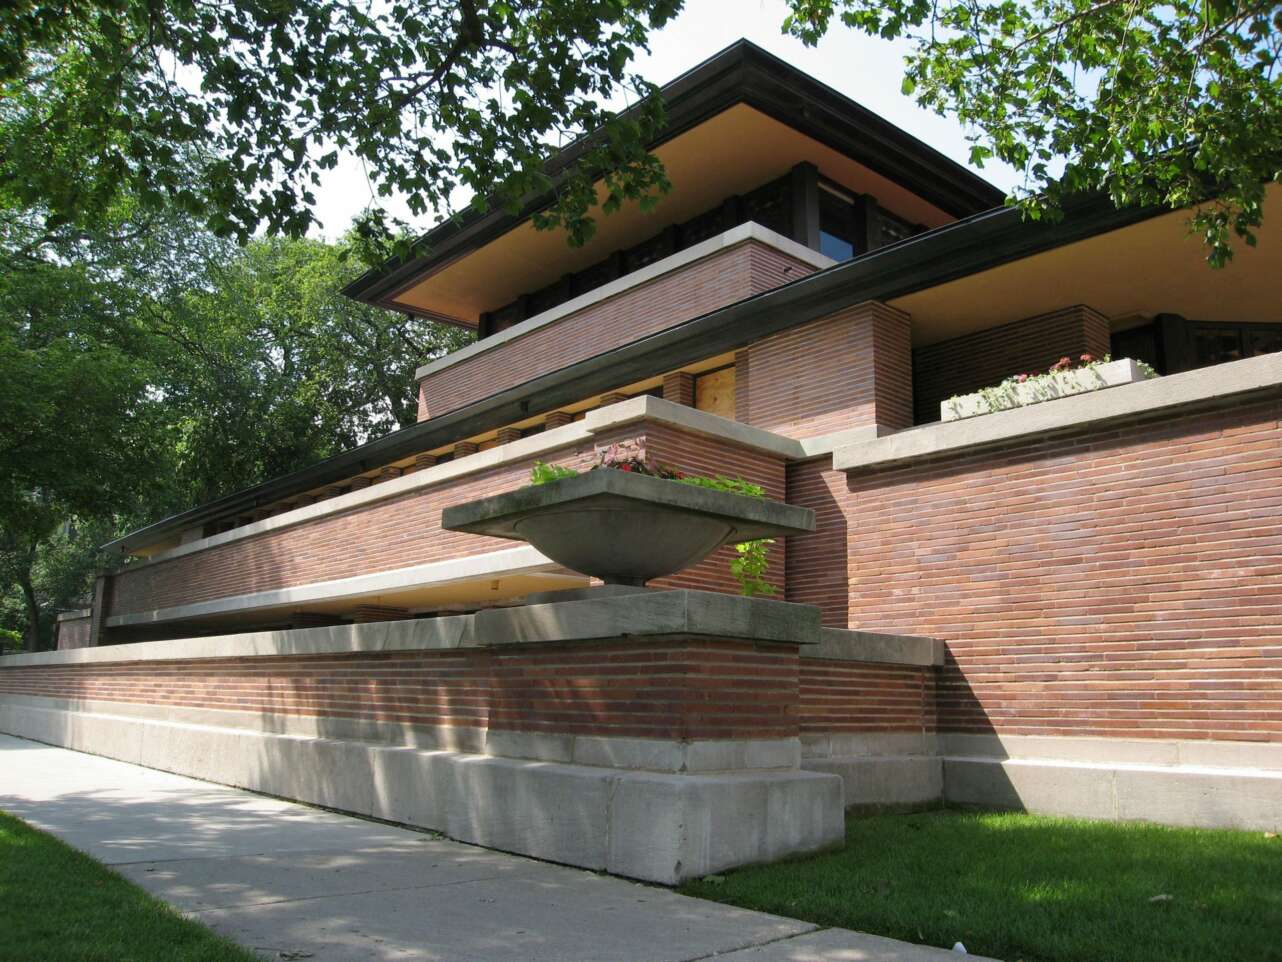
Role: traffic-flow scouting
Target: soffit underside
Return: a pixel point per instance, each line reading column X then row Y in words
column 733, row 152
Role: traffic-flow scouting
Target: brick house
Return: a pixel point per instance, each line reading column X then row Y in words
column 1104, row 571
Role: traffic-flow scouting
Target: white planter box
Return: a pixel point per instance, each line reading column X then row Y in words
column 1061, row 384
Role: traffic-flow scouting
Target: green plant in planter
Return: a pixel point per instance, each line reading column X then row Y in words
column 751, row 562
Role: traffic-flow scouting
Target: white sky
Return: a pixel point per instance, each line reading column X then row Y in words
column 864, row 68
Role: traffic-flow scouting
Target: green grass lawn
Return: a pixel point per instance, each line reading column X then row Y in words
column 1026, row 887
column 59, row 905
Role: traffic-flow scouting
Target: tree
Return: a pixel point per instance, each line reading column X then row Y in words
column 1176, row 103
column 112, row 98
column 144, row 376
column 269, row 368
column 81, row 435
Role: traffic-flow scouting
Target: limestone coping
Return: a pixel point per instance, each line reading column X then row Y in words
column 1222, row 383
column 741, row 234
column 841, row 644
column 650, row 614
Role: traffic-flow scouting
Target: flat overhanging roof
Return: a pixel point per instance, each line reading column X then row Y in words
column 741, row 98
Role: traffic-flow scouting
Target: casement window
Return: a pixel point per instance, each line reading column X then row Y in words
column 1171, row 343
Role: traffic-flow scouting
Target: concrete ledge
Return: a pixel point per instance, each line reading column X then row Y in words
column 1201, row 797
column 1266, row 756
column 885, row 781
column 859, row 744
column 651, row 826
column 655, row 613
column 419, row 634
column 524, row 560
column 1206, row 386
column 841, row 644
column 652, row 613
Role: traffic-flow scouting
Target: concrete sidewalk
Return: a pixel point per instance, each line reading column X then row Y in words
column 293, row 882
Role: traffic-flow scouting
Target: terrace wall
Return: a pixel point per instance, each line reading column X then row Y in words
column 397, row 525
column 1123, row 579
column 965, row 364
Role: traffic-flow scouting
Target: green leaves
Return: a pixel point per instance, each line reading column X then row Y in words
column 1178, row 104
column 437, row 95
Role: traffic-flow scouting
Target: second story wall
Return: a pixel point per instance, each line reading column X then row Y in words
column 737, row 264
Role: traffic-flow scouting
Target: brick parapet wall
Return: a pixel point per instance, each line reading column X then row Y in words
column 986, row 358
column 393, row 533
column 846, row 370
column 816, row 573
column 722, row 278
column 692, row 688
column 1122, row 580
column 405, row 530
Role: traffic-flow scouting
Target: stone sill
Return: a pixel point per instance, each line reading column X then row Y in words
column 1218, row 385
column 742, row 234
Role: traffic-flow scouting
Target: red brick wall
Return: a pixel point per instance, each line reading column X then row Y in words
column 849, row 369
column 851, row 696
column 986, row 358
column 817, row 561
column 681, row 688
column 1120, row 581
column 405, row 530
column 714, row 281
column 696, row 454
column 394, row 533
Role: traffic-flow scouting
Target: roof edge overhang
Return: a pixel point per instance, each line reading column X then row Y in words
column 742, row 73
column 956, row 250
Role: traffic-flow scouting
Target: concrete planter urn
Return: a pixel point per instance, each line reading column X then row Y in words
column 1044, row 387
column 626, row 528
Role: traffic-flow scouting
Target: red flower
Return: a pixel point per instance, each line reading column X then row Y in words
column 1086, row 359
column 625, row 467
column 1021, row 378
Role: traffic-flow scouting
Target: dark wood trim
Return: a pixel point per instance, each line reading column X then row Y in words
column 867, row 224
column 804, row 186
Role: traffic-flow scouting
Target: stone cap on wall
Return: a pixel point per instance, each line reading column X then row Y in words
column 1207, row 387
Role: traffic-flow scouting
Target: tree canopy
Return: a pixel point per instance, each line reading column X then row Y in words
column 230, row 111
column 1171, row 103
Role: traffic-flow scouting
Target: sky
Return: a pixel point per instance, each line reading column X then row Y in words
column 864, row 68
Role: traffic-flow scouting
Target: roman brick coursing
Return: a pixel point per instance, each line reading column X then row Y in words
column 984, row 359
column 395, row 533
column 715, row 281
column 678, row 387
column 849, row 369
column 1117, row 581
column 683, row 688
column 849, row 697
column 695, row 454
column 817, row 572
column 405, row 530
